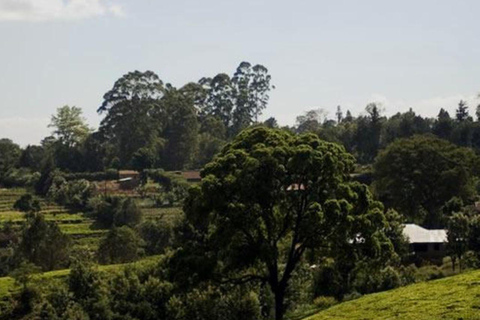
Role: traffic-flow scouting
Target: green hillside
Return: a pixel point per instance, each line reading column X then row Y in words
column 456, row 297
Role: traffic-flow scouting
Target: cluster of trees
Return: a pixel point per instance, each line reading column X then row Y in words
column 147, row 123
column 364, row 136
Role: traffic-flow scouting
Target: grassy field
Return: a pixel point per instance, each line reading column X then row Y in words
column 456, row 297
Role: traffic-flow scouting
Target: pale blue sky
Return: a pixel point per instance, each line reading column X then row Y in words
column 420, row 54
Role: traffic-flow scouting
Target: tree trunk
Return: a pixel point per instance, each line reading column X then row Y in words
column 279, row 302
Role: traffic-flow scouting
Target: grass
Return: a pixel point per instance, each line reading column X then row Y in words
column 80, row 229
column 455, row 297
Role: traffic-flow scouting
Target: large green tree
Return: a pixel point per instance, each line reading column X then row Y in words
column 267, row 198
column 418, row 175
column 133, row 113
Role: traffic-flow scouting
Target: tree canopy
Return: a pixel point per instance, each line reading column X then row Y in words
column 270, row 195
column 418, row 175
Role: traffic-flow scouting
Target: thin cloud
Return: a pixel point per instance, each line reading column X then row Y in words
column 45, row 10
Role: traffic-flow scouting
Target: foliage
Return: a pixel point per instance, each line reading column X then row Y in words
column 116, row 211
column 157, row 236
column 43, row 244
column 23, row 273
column 457, row 236
column 324, row 302
column 120, row 245
column 110, row 174
column 173, row 187
column 74, row 194
column 211, row 303
column 417, row 176
column 26, row 203
column 69, row 126
column 20, row 177
column 271, row 195
column 9, row 156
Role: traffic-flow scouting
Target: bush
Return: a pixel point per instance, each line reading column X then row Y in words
column 121, row 245
column 429, row 273
column 128, row 214
column 115, row 211
column 324, row 302
column 26, row 203
column 157, row 236
column 21, row 177
column 211, row 303
column 43, row 244
column 74, row 194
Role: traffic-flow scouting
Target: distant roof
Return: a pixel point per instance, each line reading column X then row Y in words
column 192, row 175
column 128, row 173
column 417, row 234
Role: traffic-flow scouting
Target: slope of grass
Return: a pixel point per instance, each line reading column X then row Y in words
column 456, row 297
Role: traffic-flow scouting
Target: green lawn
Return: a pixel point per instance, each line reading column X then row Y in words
column 456, row 297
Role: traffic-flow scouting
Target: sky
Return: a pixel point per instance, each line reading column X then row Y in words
column 422, row 54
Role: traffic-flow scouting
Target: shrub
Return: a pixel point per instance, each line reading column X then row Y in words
column 157, row 236
column 128, row 214
column 115, row 211
column 43, row 243
column 26, row 203
column 121, row 245
column 74, row 194
column 324, row 302
column 21, row 177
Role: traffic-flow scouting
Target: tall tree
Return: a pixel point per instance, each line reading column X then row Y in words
column 43, row 243
column 252, row 84
column 70, row 127
column 268, row 197
column 462, row 111
column 133, row 113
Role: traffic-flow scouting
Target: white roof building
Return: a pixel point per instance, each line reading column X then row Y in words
column 417, row 234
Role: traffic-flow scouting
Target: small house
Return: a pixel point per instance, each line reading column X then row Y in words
column 427, row 244
column 192, row 176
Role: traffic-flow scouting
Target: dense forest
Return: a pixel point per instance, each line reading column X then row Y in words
column 285, row 220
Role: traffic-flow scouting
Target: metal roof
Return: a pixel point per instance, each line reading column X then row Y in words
column 417, row 234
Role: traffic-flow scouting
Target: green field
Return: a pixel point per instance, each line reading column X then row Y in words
column 456, row 297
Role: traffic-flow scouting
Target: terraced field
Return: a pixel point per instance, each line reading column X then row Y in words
column 77, row 225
